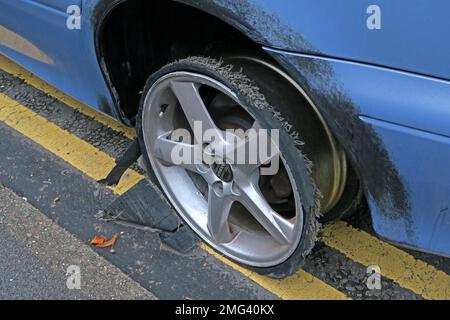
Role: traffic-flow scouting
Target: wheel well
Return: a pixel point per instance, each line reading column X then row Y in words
column 139, row 37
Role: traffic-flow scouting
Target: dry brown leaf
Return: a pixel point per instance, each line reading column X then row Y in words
column 109, row 243
column 98, row 240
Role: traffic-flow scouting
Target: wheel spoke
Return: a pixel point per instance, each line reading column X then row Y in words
column 177, row 153
column 194, row 108
column 219, row 207
column 258, row 148
column 206, row 169
column 278, row 227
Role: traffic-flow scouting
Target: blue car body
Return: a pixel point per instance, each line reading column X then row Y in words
column 385, row 93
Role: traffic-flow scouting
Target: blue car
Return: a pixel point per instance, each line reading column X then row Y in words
column 358, row 94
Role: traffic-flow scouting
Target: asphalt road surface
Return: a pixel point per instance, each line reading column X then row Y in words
column 37, row 255
column 54, row 149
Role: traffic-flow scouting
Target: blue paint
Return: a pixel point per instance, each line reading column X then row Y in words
column 387, row 85
column 423, row 161
column 67, row 58
column 409, row 115
column 60, row 5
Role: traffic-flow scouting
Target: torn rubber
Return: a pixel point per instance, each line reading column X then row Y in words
column 251, row 91
column 252, row 96
column 144, row 206
column 130, row 156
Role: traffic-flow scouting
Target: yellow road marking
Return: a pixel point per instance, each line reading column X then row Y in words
column 29, row 78
column 416, row 275
column 97, row 164
column 80, row 154
column 300, row 286
column 396, row 264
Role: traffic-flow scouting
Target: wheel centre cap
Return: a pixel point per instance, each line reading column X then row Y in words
column 223, row 172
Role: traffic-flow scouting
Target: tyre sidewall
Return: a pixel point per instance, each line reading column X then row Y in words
column 297, row 164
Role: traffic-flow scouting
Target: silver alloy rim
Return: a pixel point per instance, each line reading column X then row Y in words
column 331, row 178
column 232, row 215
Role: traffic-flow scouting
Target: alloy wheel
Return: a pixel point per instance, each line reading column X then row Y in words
column 254, row 219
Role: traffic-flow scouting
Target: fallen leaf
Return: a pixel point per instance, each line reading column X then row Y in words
column 109, row 243
column 98, row 240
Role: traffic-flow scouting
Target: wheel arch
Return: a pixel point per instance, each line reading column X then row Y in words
column 245, row 35
column 108, row 13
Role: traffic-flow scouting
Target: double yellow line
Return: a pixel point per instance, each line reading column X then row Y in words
column 409, row 272
column 96, row 164
column 15, row 70
column 402, row 268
